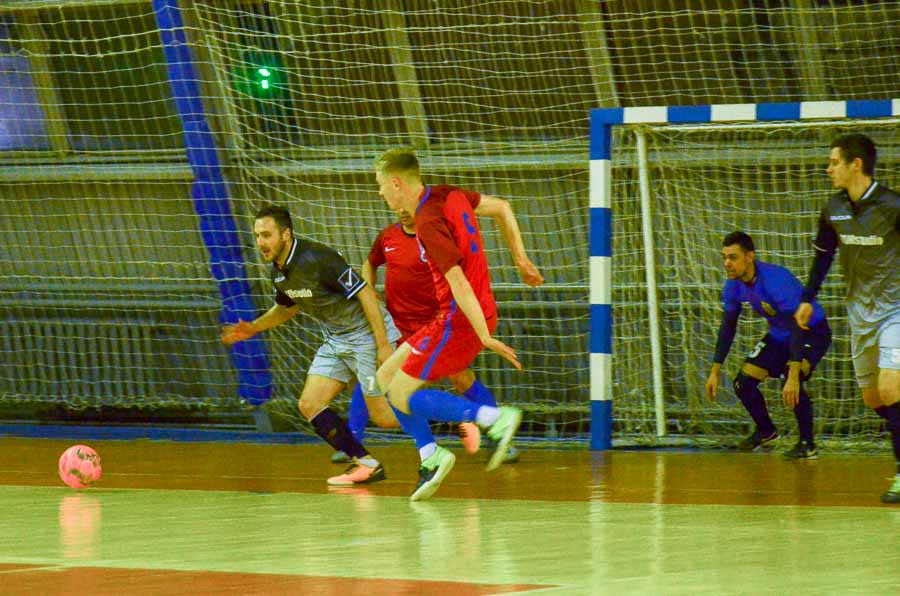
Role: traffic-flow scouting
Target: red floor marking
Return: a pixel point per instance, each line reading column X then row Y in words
column 98, row 581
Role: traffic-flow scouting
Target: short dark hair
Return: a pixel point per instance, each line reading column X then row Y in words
column 857, row 145
column 740, row 238
column 280, row 214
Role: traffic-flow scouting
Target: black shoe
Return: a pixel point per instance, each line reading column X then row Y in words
column 802, row 450
column 432, row 472
column 755, row 441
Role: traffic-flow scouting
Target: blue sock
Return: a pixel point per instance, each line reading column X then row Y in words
column 416, row 427
column 432, row 404
column 358, row 414
column 480, row 394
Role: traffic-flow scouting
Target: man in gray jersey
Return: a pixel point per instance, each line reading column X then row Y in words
column 863, row 219
column 359, row 335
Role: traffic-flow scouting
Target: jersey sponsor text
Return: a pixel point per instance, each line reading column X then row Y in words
column 301, row 293
column 862, row 240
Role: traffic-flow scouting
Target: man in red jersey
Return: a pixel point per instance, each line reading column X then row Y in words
column 411, row 300
column 449, row 239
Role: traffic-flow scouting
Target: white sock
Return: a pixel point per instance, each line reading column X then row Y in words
column 368, row 461
column 427, row 451
column 486, row 416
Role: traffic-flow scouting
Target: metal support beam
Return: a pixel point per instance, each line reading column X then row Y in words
column 404, row 69
column 31, row 37
column 597, row 48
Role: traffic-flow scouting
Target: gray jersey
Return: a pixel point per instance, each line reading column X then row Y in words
column 318, row 280
column 868, row 234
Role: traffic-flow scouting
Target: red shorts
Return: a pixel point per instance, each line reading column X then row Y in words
column 406, row 335
column 440, row 350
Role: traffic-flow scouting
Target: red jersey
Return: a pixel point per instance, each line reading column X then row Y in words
column 448, row 232
column 408, row 285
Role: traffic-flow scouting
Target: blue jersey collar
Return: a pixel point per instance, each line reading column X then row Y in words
column 423, row 199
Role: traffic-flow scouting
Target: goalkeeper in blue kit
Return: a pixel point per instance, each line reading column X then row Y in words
column 786, row 351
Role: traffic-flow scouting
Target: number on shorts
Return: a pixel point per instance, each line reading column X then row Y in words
column 756, row 349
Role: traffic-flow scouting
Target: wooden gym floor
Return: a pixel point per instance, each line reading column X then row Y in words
column 240, row 518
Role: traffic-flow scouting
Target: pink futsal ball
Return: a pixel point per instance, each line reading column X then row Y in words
column 79, row 466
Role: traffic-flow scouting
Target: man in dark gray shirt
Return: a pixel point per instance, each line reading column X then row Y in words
column 359, row 334
column 863, row 220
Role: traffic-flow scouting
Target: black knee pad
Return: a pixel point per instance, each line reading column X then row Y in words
column 744, row 385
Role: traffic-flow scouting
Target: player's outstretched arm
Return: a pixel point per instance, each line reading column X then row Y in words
column 469, row 305
column 501, row 212
column 231, row 334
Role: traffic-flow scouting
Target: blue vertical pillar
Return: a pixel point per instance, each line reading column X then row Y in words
column 211, row 203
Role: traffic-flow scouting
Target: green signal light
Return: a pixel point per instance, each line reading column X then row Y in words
column 261, row 76
column 264, row 78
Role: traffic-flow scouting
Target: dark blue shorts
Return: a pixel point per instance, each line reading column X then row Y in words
column 773, row 355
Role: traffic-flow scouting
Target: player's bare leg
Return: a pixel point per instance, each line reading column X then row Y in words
column 380, row 412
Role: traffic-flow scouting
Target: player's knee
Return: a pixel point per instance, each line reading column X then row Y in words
column 382, row 415
column 744, row 385
column 307, row 409
column 462, row 381
column 399, row 401
column 383, row 378
column 871, row 397
column 889, row 387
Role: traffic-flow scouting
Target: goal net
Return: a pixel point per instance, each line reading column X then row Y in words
column 315, row 93
column 706, row 180
column 107, row 295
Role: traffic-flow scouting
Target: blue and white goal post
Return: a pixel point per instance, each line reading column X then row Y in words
column 602, row 123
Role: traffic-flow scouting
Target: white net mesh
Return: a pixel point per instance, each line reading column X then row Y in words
column 95, row 190
column 768, row 180
column 107, row 297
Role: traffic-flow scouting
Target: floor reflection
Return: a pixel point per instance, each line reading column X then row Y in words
column 80, row 519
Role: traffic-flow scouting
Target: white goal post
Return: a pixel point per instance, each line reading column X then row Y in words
column 707, row 169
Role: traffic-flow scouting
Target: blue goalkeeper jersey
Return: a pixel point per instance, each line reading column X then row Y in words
column 774, row 295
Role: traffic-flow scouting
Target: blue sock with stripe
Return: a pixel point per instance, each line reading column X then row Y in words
column 358, row 414
column 480, row 394
column 432, row 404
column 415, row 426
